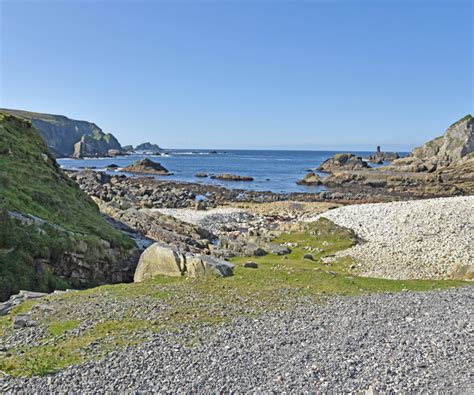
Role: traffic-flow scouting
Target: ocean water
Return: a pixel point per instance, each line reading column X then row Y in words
column 275, row 171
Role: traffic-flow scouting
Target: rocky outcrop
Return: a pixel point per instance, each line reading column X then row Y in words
column 343, row 162
column 162, row 228
column 310, row 179
column 61, row 133
column 148, row 147
column 231, row 177
column 146, row 166
column 97, row 144
column 454, row 146
column 160, row 259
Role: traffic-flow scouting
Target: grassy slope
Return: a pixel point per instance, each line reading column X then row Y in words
column 31, row 183
column 34, row 185
column 277, row 284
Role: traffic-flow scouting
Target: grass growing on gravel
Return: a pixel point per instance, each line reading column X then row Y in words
column 125, row 314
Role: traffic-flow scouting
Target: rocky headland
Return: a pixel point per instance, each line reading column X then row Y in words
column 67, row 137
column 441, row 167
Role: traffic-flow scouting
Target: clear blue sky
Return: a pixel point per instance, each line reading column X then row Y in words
column 243, row 74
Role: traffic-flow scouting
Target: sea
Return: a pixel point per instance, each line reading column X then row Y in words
column 276, row 171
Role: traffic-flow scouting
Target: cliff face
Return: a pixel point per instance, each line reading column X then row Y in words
column 52, row 234
column 453, row 147
column 61, row 133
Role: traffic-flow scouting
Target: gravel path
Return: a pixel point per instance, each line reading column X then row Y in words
column 389, row 342
column 412, row 239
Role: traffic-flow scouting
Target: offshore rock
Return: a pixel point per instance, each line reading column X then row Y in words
column 146, row 166
column 343, row 162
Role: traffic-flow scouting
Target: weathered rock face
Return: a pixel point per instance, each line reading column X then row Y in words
column 343, row 162
column 97, row 144
column 59, row 132
column 148, row 147
column 310, row 179
column 160, row 259
column 231, row 177
column 146, row 166
column 454, row 146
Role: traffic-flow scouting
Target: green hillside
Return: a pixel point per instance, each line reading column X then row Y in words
column 32, row 183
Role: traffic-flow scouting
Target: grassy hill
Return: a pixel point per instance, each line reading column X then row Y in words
column 32, row 183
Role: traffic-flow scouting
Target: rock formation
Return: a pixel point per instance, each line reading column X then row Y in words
column 97, row 144
column 454, row 146
column 146, row 166
column 61, row 133
column 310, row 179
column 343, row 162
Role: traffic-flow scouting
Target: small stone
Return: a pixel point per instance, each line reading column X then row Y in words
column 251, row 265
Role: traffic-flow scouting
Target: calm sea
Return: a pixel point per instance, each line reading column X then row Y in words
column 275, row 171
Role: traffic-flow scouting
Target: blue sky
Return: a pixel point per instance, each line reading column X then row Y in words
column 244, row 74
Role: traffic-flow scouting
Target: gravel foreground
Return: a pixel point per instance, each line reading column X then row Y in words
column 408, row 342
column 411, row 239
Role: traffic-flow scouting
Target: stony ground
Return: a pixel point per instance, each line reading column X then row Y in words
column 389, row 342
column 410, row 239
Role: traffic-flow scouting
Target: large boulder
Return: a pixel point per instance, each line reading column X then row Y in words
column 146, row 166
column 343, row 162
column 159, row 259
column 201, row 265
column 454, row 146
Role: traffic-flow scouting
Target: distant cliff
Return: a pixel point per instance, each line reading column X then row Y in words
column 61, row 134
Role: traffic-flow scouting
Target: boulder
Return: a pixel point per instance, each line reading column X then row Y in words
column 343, row 162
column 251, row 265
column 310, row 179
column 201, row 265
column 231, row 177
column 146, row 166
column 201, row 175
column 159, row 259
